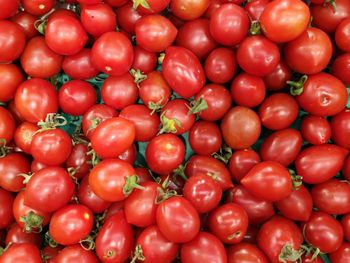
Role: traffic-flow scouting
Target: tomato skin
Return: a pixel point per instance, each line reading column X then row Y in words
column 12, row 41
column 6, row 202
column 37, row 7
column 178, row 220
column 220, row 65
column 21, row 253
column 342, row 35
column 9, row 8
column 309, row 259
column 324, row 232
column 155, row 247
column 16, row 235
column 241, row 162
column 342, row 254
column 276, row 233
column 345, row 221
column 10, row 78
column 277, row 79
column 297, row 206
column 75, row 253
column 144, row 60
column 164, row 153
column 79, row 65
column 181, row 68
column 114, row 242
column 107, row 146
column 7, row 125
column 208, row 165
column 204, row 248
column 255, row 8
column 236, row 21
column 282, row 146
column 341, row 129
column 127, row 16
column 319, row 163
column 79, row 160
column 341, row 68
column 240, row 127
column 315, row 130
column 248, row 90
column 35, row 98
column 245, row 252
column 284, row 20
column 189, row 9
column 10, row 167
column 49, row 189
column 195, row 36
column 229, row 223
column 258, row 56
column 26, row 22
column 112, row 53
column 116, row 3
column 50, row 253
column 332, row 197
column 278, row 111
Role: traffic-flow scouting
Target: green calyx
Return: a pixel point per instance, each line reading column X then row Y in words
column 138, row 254
column 296, row 179
column 197, row 106
column 138, row 76
column 297, row 87
column 4, row 149
column 168, row 125
column 143, row 3
column 131, row 182
column 32, row 222
column 224, row 154
column 288, row 254
column 255, row 28
column 52, row 121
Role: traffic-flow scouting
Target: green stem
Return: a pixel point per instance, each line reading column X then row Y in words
column 131, row 182
column 32, row 222
column 197, row 106
column 297, row 87
column 138, row 76
column 289, row 254
column 255, row 28
column 168, row 125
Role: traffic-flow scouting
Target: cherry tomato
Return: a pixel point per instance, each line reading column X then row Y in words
column 342, row 254
column 10, row 78
column 7, row 126
column 144, row 60
column 26, row 22
column 255, row 8
column 21, row 253
column 76, row 253
column 245, row 252
column 9, row 8
column 340, row 128
column 78, row 161
column 37, row 7
column 315, row 130
column 153, row 6
column 16, row 235
column 345, row 221
column 342, row 35
column 341, row 68
column 12, row 41
column 116, row 3
column 129, row 155
column 6, row 202
column 127, row 16
column 50, row 253
column 189, row 9
column 241, row 162
column 278, row 78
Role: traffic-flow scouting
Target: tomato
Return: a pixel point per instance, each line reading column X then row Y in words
column 323, row 232
column 26, row 22
column 258, row 56
column 310, row 259
column 50, row 253
column 49, row 189
column 205, row 138
column 258, row 210
column 98, row 19
column 245, row 252
column 112, row 53
column 332, row 197
column 278, row 111
column 284, row 20
column 37, row 166
column 341, row 129
column 79, row 160
column 114, row 241
column 240, row 127
column 79, row 65
column 144, row 60
column 319, row 163
column 273, row 179
column 154, row 91
column 229, row 223
column 178, row 220
column 236, row 23
column 208, row 165
column 248, row 90
column 9, row 8
column 315, row 130
column 278, row 78
column 7, row 126
column 107, row 146
column 10, row 78
column 129, row 155
column 11, row 166
column 155, row 247
column 6, row 202
column 220, row 65
column 37, row 7
column 165, row 153
column 195, row 36
column 76, row 253
column 155, row 33
column 327, row 18
column 150, row 6
column 214, row 4
column 255, row 8
column 341, row 68
column 127, row 16
column 183, row 71
column 203, row 192
column 282, row 146
column 297, row 206
column 116, row 3
column 96, row 115
column 189, row 9
column 342, row 254
column 35, row 98
column 310, row 53
column 241, row 162
column 16, row 235
column 277, row 237
column 12, row 41
column 345, row 221
column 342, row 35
column 88, row 2
column 143, row 174
column 88, row 198
column 21, row 253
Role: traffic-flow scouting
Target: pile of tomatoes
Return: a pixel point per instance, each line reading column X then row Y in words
column 158, row 131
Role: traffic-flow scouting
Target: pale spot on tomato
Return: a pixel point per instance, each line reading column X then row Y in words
column 41, row 6
column 86, row 216
column 168, row 146
column 108, row 68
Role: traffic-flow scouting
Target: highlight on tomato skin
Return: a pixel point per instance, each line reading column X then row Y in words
column 164, row 131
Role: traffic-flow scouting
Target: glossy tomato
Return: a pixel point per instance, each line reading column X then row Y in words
column 241, row 162
column 245, row 252
column 10, row 78
column 37, row 7
column 21, row 253
column 144, row 60
column 26, row 22
column 189, row 9
column 6, row 203
column 205, row 138
column 7, row 126
column 74, row 253
column 341, row 68
column 341, row 129
column 315, row 130
column 278, row 78
column 12, row 41
column 9, row 8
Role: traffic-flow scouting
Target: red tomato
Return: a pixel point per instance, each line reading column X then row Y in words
column 236, row 23
column 75, row 253
column 88, row 2
column 205, row 138
column 129, row 155
column 183, row 71
column 241, row 162
column 278, row 78
column 342, row 254
column 26, row 22
column 323, row 232
column 37, row 7
column 189, row 9
column 341, row 129
column 12, row 41
column 240, row 127
column 49, row 189
column 127, row 16
column 278, row 236
column 341, row 68
column 9, row 8
column 214, row 4
column 255, row 8
column 10, row 78
column 245, row 252
column 112, row 53
column 315, row 130
column 21, row 253
column 7, row 126
column 178, row 220
column 116, row 3
column 345, row 221
column 113, row 137
column 278, row 111
column 79, row 160
column 165, row 153
column 144, row 60
column 143, row 174
column 50, row 253
column 150, row 6
column 16, row 235
column 297, row 206
column 342, row 35
column 6, row 202
column 319, row 163
column 113, row 180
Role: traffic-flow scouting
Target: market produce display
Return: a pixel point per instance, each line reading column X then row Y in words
column 159, row 131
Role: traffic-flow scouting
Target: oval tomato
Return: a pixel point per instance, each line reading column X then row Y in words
column 21, row 253
column 78, row 160
column 16, row 235
column 75, row 253
column 241, row 162
column 342, row 254
column 26, row 22
column 10, row 78
column 315, row 130
column 37, row 7
column 12, row 41
column 341, row 129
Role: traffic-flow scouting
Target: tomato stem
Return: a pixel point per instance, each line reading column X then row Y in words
column 49, row 240
column 94, row 157
column 296, row 179
column 138, row 254
column 161, row 58
column 4, row 150
column 143, row 3
column 180, row 171
column 131, row 182
column 138, row 76
column 297, row 87
column 255, row 28
column 197, row 106
column 232, row 236
column 155, row 106
column 52, row 121
column 332, row 4
column 168, row 125
column 164, row 195
column 289, row 254
column 88, row 243
column 2, row 250
column 32, row 222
